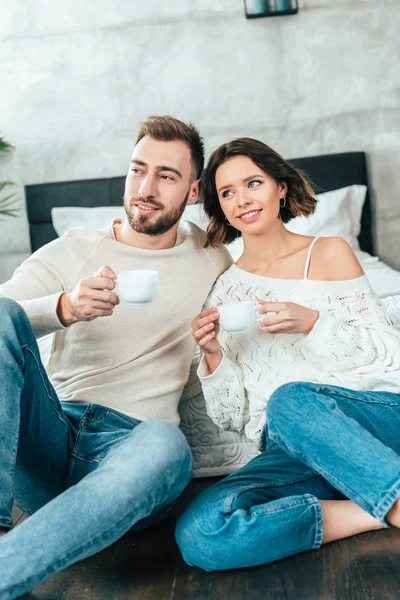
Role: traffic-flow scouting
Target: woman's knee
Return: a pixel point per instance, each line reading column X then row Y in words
column 289, row 401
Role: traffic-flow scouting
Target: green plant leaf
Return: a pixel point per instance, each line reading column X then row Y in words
column 7, row 202
column 8, row 213
column 3, row 184
column 5, row 146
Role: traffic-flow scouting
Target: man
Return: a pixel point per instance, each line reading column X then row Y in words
column 92, row 448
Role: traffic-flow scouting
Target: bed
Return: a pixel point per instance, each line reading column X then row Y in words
column 218, row 452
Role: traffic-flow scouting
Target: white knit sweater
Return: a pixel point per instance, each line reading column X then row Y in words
column 353, row 344
column 137, row 361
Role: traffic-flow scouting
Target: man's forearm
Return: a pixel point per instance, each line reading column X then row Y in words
column 42, row 314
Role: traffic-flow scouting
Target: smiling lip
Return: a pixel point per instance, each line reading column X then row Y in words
column 145, row 210
column 250, row 216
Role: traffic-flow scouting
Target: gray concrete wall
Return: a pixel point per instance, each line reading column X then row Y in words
column 77, row 77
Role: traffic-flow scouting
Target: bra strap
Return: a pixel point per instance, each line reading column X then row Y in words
column 309, row 256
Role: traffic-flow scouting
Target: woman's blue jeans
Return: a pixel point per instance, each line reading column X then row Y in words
column 86, row 473
column 324, row 443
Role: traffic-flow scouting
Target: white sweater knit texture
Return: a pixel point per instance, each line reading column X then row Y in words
column 353, row 345
column 137, row 361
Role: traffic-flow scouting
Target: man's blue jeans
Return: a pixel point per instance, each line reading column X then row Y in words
column 324, row 443
column 86, row 473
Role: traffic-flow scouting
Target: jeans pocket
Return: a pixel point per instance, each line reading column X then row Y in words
column 100, row 429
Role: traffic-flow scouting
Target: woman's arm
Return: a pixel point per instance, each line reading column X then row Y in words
column 220, row 378
column 354, row 332
column 224, row 393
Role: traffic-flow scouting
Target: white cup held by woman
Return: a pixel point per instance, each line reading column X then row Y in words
column 238, row 317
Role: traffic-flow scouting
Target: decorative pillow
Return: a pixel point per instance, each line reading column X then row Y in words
column 215, row 451
column 338, row 213
column 67, row 217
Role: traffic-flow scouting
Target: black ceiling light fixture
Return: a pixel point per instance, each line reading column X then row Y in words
column 270, row 8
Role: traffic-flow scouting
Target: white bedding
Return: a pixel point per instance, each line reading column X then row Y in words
column 216, row 452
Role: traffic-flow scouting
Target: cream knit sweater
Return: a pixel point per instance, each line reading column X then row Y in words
column 137, row 361
column 353, row 344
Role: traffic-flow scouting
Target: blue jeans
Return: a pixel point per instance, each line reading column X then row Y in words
column 86, row 473
column 324, row 443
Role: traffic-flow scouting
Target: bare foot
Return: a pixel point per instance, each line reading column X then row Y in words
column 3, row 531
column 393, row 516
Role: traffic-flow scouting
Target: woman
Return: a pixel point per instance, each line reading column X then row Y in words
column 315, row 384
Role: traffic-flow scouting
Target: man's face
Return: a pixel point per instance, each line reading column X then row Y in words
column 158, row 185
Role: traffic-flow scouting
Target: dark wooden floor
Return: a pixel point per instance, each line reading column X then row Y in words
column 147, row 566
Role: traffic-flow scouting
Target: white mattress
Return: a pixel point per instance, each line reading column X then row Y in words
column 216, row 452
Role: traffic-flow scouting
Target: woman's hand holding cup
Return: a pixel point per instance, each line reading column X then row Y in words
column 205, row 329
column 289, row 317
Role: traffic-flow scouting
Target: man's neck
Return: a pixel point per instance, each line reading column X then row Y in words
column 126, row 235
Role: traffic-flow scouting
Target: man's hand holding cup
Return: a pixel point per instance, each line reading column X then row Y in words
column 92, row 297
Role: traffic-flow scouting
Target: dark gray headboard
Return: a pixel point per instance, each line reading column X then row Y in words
column 327, row 172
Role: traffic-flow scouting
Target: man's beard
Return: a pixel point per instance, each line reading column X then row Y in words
column 163, row 224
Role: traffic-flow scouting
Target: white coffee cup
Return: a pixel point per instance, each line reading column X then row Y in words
column 137, row 286
column 239, row 317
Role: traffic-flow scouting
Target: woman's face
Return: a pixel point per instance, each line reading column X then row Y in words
column 249, row 198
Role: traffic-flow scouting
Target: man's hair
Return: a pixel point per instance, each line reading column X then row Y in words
column 168, row 129
column 300, row 197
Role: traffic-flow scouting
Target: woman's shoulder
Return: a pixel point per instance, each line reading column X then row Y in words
column 333, row 259
column 227, row 278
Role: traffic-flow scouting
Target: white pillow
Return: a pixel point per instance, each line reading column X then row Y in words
column 338, row 213
column 67, row 217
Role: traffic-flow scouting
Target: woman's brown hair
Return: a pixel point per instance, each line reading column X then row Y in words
column 300, row 197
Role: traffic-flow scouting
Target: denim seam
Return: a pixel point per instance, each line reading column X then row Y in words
column 87, row 460
column 387, row 502
column 60, row 416
column 105, row 412
column 328, row 476
column 12, row 466
column 319, row 522
column 353, row 396
column 83, row 422
column 268, row 509
column 234, row 495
